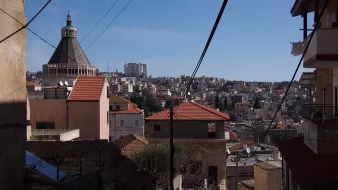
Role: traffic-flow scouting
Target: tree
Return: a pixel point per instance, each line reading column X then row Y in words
column 188, row 162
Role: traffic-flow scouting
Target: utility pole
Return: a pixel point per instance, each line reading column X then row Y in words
column 172, row 145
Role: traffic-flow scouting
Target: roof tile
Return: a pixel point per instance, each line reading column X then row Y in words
column 87, row 88
column 191, row 111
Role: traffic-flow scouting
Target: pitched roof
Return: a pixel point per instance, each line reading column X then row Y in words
column 32, row 84
column 233, row 135
column 87, row 88
column 69, row 51
column 191, row 111
column 132, row 109
column 241, row 145
column 308, row 168
column 126, row 140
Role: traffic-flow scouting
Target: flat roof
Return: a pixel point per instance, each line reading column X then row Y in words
column 268, row 165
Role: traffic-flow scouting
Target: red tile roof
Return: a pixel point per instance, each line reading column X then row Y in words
column 132, row 109
column 233, row 135
column 130, row 144
column 125, row 141
column 308, row 168
column 32, row 84
column 241, row 145
column 191, row 111
column 87, row 88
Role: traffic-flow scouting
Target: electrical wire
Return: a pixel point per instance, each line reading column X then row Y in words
column 317, row 25
column 204, row 52
column 26, row 25
column 91, row 30
column 35, row 33
column 116, row 17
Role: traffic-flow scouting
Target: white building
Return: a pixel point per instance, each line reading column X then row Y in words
column 136, row 70
column 127, row 88
column 124, row 118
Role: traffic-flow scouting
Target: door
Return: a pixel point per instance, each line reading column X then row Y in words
column 212, row 176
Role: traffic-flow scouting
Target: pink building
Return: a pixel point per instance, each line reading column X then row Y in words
column 84, row 107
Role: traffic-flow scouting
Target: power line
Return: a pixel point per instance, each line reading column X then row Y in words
column 91, row 30
column 116, row 17
column 34, row 33
column 294, row 74
column 204, row 51
column 25, row 26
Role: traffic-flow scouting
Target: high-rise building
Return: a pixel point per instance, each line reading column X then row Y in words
column 136, row 70
column 68, row 60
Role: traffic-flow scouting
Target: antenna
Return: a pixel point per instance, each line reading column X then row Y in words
column 66, row 83
column 60, row 83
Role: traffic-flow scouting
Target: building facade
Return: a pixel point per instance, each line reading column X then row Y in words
column 136, row 70
column 68, row 60
column 124, row 118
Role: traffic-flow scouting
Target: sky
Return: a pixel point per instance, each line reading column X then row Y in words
column 252, row 41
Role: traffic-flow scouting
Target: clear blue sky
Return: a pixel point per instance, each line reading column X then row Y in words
column 252, row 41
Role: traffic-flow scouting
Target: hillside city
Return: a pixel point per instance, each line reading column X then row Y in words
column 71, row 126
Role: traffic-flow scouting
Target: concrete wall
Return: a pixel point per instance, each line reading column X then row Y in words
column 104, row 113
column 186, row 129
column 49, row 110
column 86, row 117
column 12, row 96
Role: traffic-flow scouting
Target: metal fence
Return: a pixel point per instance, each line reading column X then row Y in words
column 320, row 113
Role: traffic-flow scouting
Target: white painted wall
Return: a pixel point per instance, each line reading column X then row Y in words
column 129, row 125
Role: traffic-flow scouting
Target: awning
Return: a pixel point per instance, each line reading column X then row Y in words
column 308, row 79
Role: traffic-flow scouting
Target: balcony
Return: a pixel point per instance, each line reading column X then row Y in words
column 320, row 128
column 323, row 49
column 55, row 134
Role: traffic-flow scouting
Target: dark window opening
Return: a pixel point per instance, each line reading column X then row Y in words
column 110, row 108
column 157, row 128
column 211, row 130
column 45, row 125
column 117, row 108
column 196, row 167
column 212, row 176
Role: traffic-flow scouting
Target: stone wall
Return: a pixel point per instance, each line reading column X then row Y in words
column 12, row 96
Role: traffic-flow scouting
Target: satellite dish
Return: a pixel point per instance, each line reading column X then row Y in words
column 66, row 83
column 228, row 151
column 60, row 83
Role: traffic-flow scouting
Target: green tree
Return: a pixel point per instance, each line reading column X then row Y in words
column 217, row 101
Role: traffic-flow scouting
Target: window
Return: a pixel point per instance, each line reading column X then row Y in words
column 109, row 123
column 117, row 107
column 122, row 123
column 195, row 167
column 211, row 130
column 110, row 108
column 157, row 128
column 136, row 122
column 110, row 138
column 108, row 92
column 45, row 125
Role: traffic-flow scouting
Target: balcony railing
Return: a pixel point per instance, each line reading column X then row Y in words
column 320, row 113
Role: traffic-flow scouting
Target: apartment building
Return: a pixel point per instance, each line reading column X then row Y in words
column 308, row 161
column 199, row 125
column 124, row 118
column 136, row 70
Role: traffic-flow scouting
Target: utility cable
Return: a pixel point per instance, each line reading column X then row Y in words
column 25, row 26
column 116, row 17
column 317, row 25
column 204, row 51
column 35, row 33
column 91, row 30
